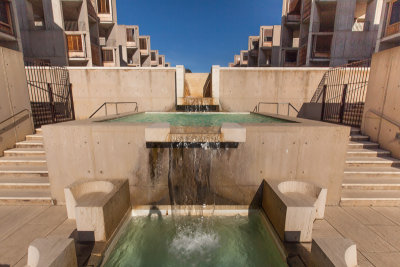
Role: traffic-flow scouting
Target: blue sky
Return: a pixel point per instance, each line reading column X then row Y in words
column 199, row 33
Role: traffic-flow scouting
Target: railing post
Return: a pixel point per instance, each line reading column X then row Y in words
column 323, row 102
column 343, row 103
column 71, row 99
column 51, row 102
column 116, row 108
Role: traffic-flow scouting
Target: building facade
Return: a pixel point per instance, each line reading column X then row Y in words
column 389, row 28
column 10, row 36
column 78, row 33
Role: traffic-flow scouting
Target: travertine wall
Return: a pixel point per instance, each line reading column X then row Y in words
column 381, row 118
column 152, row 88
column 14, row 98
column 240, row 89
column 279, row 151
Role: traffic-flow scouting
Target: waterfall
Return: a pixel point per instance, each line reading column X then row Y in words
column 189, row 177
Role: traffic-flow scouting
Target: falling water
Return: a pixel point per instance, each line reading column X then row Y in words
column 189, row 179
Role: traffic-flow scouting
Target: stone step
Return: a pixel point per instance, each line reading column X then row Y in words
column 34, row 137
column 353, row 197
column 355, row 131
column 383, row 182
column 359, row 138
column 29, row 144
column 23, row 161
column 362, row 144
column 9, row 182
column 372, row 171
column 25, row 196
column 39, row 130
column 372, row 162
column 25, row 152
column 24, row 171
column 374, row 152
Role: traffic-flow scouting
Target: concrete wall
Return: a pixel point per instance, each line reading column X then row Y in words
column 14, row 98
column 381, row 118
column 281, row 151
column 241, row 89
column 152, row 88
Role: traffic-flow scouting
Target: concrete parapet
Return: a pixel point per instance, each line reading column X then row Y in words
column 233, row 132
column 52, row 252
column 292, row 207
column 98, row 207
column 333, row 252
column 157, row 132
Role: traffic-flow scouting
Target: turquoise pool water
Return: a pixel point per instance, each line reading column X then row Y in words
column 197, row 119
column 196, row 241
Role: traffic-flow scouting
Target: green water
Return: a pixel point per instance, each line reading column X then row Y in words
column 197, row 119
column 196, row 241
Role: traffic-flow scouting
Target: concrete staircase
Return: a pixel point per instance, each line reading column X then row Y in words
column 372, row 177
column 23, row 173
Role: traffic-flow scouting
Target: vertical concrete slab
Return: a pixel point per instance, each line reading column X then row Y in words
column 215, row 72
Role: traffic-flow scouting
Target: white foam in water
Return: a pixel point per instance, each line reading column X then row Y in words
column 190, row 242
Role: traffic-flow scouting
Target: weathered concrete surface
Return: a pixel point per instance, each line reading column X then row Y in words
column 14, row 98
column 194, row 84
column 152, row 88
column 333, row 252
column 241, row 89
column 381, row 118
column 279, row 151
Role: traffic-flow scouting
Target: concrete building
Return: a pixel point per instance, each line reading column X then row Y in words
column 9, row 28
column 389, row 28
column 328, row 33
column 262, row 51
column 79, row 33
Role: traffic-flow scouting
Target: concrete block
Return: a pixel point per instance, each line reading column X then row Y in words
column 333, row 252
column 180, row 81
column 157, row 132
column 233, row 132
column 52, row 252
column 292, row 207
column 98, row 207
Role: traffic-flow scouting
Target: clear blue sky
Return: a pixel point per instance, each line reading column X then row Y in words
column 199, row 33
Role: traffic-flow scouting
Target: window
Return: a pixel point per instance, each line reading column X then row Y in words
column 74, row 43
column 5, row 17
column 142, row 43
column 130, row 35
column 103, row 6
column 245, row 56
column 160, row 60
column 153, row 56
column 395, row 15
column 108, row 55
column 267, row 35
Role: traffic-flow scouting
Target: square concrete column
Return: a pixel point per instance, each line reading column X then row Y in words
column 215, row 73
column 180, row 81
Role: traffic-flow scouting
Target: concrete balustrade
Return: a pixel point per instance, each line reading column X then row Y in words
column 98, row 207
column 292, row 207
column 52, row 252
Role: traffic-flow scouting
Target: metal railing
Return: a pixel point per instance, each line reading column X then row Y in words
column 15, row 122
column 50, row 93
column 386, row 118
column 343, row 94
column 116, row 107
column 289, row 105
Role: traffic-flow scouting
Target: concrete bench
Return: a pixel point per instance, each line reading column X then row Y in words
column 292, row 207
column 333, row 252
column 98, row 207
column 52, row 252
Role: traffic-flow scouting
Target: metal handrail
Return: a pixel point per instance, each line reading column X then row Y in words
column 384, row 117
column 257, row 107
column 116, row 107
column 11, row 117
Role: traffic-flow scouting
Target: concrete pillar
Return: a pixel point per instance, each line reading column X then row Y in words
column 53, row 15
column 344, row 18
column 215, row 72
column 180, row 81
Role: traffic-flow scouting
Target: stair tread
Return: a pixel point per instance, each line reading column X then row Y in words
column 25, row 149
column 362, row 143
column 371, row 160
column 371, row 180
column 26, row 169
column 370, row 194
column 22, row 180
column 30, row 142
column 373, row 169
column 23, row 159
column 25, row 194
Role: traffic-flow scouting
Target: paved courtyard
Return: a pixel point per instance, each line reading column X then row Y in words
column 375, row 230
